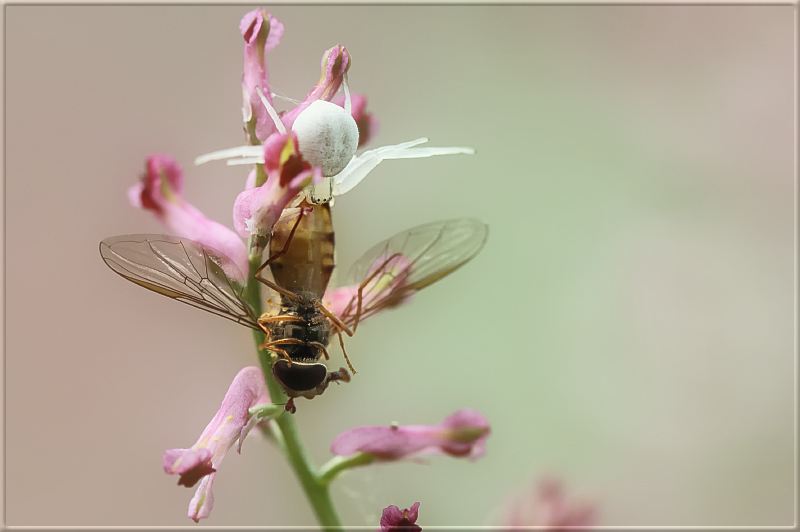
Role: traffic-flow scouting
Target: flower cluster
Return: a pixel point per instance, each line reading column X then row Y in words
column 311, row 147
column 307, row 153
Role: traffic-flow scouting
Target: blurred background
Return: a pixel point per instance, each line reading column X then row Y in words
column 628, row 327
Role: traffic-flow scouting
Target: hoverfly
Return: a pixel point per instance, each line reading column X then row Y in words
column 297, row 323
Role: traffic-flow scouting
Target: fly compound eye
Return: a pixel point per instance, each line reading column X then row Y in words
column 299, row 377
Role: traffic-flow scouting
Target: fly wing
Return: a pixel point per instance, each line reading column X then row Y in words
column 183, row 270
column 393, row 270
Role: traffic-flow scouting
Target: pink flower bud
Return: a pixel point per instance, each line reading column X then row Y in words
column 462, row 434
column 261, row 34
column 335, row 63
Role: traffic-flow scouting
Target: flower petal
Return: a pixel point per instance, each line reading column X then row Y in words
column 256, row 210
column 395, row 519
column 464, row 434
column 203, row 501
column 335, row 63
column 190, row 464
column 161, row 192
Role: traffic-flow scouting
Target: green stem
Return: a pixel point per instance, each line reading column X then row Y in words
column 286, row 431
column 336, row 465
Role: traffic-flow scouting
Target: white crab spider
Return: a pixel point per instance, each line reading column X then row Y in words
column 328, row 137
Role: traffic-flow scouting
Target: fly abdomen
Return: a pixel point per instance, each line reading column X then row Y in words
column 306, row 264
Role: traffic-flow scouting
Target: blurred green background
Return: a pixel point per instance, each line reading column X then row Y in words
column 628, row 327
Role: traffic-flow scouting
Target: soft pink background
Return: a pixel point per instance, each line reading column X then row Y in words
column 629, row 325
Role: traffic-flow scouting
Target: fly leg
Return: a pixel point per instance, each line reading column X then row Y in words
column 321, row 348
column 290, row 406
column 340, row 326
column 282, row 341
column 262, row 321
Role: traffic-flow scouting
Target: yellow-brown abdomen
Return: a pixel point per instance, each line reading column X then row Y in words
column 306, row 267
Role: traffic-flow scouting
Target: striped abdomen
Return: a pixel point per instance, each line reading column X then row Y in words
column 306, row 267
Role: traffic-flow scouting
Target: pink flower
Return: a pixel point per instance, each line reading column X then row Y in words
column 335, row 63
column 232, row 423
column 261, row 34
column 544, row 504
column 161, row 192
column 257, row 209
column 395, row 519
column 462, row 434
column 366, row 122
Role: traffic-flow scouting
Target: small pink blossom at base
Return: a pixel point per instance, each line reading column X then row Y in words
column 395, row 519
column 545, row 505
column 161, row 192
column 366, row 122
column 230, row 425
column 462, row 434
